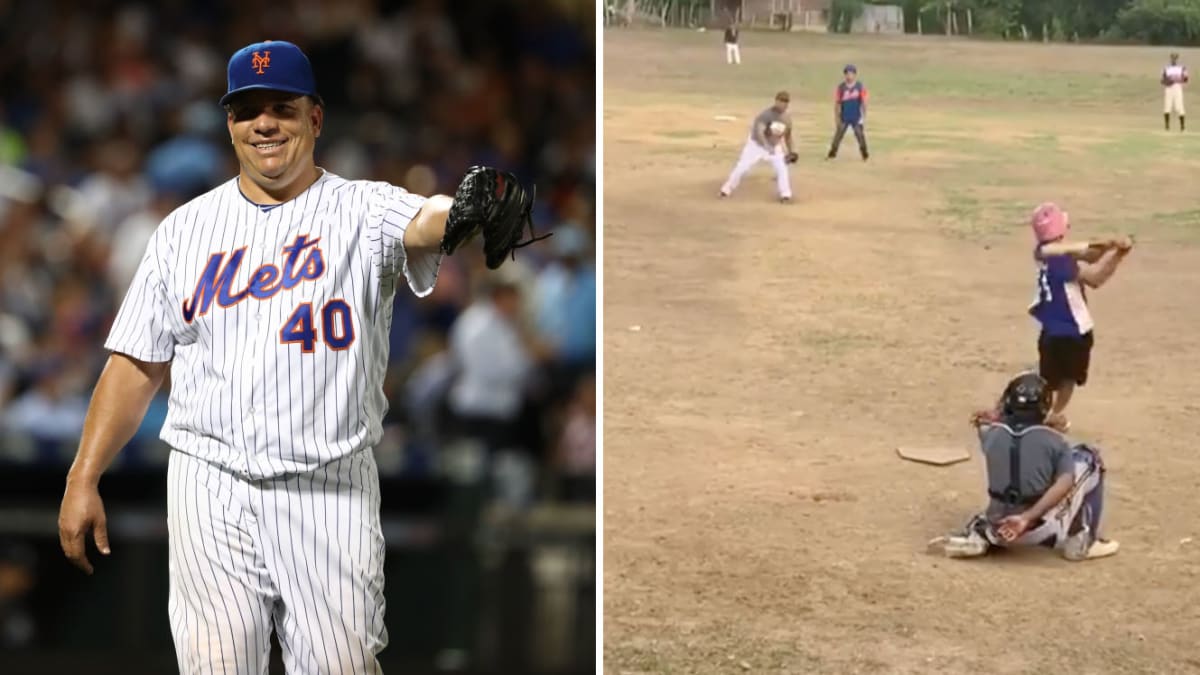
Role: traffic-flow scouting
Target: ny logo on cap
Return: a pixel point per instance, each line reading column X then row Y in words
column 261, row 62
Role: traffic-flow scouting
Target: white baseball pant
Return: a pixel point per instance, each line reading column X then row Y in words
column 1055, row 526
column 754, row 153
column 732, row 53
column 304, row 553
column 1173, row 99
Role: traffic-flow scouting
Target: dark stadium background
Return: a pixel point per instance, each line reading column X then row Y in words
column 108, row 120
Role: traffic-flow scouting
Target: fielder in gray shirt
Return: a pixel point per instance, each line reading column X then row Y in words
column 759, row 130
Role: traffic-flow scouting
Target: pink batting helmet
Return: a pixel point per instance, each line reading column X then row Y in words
column 1049, row 222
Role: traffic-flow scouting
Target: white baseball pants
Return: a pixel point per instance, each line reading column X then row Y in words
column 1087, row 497
column 732, row 53
column 1173, row 99
column 754, row 153
column 303, row 554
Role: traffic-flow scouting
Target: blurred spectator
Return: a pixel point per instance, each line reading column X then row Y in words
column 18, row 575
column 575, row 450
column 566, row 307
column 494, row 365
column 492, row 397
column 51, row 411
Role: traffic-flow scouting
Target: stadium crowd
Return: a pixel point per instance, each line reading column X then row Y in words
column 109, row 120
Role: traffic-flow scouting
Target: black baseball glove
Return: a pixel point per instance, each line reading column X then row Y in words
column 493, row 202
column 792, row 157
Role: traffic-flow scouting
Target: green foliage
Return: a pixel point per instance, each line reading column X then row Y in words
column 842, row 14
column 1161, row 21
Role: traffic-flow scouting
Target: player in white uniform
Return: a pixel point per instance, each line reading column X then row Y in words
column 770, row 140
column 1174, row 76
column 269, row 300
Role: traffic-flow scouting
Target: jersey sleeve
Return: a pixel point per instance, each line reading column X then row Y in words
column 392, row 209
column 142, row 328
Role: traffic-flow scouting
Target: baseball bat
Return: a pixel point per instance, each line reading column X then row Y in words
column 1075, row 247
column 1070, row 248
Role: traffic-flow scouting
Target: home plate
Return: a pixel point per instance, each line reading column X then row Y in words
column 933, row 455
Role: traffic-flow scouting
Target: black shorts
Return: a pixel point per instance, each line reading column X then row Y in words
column 1064, row 359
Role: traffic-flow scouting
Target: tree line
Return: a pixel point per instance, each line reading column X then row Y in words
column 1135, row 21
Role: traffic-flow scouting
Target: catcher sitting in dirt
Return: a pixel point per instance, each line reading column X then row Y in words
column 1043, row 491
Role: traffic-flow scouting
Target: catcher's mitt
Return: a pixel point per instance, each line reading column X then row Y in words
column 493, row 202
column 791, row 157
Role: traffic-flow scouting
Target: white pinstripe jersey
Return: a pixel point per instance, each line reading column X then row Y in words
column 276, row 320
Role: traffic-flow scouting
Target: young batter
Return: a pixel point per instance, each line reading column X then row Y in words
column 1060, row 304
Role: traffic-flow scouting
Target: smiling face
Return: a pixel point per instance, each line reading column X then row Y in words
column 274, row 134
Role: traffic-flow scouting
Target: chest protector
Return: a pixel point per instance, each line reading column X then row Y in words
column 1011, row 496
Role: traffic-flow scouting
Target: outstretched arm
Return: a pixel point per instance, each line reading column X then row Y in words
column 118, row 405
column 424, row 234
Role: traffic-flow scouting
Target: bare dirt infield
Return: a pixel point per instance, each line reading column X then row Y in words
column 756, row 517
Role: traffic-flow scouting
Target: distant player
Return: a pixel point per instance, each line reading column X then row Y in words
column 770, row 140
column 732, row 54
column 268, row 300
column 849, row 110
column 1174, row 76
column 1043, row 491
column 1060, row 304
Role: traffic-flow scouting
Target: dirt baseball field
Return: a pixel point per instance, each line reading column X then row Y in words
column 763, row 361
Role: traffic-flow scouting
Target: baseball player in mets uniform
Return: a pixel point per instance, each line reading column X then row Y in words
column 269, row 301
column 770, row 139
column 1174, row 76
column 849, row 111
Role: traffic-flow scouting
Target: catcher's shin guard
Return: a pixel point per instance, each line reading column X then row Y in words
column 975, row 540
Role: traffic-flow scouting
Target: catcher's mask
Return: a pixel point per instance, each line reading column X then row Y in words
column 1027, row 396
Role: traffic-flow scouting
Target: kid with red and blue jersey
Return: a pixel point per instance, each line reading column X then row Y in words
column 849, row 110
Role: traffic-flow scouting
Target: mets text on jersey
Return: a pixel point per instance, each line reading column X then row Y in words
column 216, row 281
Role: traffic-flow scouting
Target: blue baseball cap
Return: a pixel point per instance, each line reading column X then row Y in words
column 849, row 68
column 273, row 64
